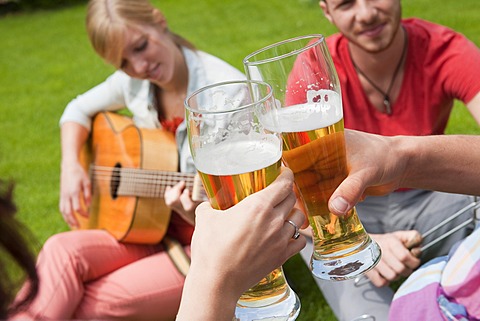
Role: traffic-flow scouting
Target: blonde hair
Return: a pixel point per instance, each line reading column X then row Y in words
column 107, row 21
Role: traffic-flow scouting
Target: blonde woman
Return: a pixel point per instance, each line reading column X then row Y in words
column 87, row 274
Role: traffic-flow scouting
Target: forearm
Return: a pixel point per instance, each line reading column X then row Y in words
column 73, row 137
column 449, row 163
column 205, row 298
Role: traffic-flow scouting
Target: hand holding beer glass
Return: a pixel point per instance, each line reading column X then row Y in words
column 235, row 157
column 310, row 118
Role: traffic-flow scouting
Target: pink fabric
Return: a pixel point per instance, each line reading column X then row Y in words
column 89, row 275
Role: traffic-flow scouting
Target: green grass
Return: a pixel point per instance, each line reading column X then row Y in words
column 45, row 60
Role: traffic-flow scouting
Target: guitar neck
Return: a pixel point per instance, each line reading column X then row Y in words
column 148, row 183
column 143, row 182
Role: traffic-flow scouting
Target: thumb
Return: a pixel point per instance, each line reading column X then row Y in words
column 412, row 240
column 347, row 194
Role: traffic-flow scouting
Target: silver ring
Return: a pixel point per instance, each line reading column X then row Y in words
column 297, row 230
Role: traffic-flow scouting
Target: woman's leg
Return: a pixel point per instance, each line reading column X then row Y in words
column 148, row 289
column 68, row 261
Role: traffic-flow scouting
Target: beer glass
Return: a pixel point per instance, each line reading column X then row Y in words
column 235, row 157
column 310, row 117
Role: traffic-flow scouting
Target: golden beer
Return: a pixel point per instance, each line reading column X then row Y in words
column 314, row 149
column 224, row 191
column 318, row 161
column 309, row 115
column 236, row 157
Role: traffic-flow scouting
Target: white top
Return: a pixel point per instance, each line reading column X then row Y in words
column 120, row 90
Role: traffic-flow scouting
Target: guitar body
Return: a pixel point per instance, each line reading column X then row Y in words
column 116, row 147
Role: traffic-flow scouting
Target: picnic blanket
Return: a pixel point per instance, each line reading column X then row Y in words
column 445, row 288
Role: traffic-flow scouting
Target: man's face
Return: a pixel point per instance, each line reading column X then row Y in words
column 368, row 24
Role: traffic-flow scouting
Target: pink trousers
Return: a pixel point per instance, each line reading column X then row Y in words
column 89, row 275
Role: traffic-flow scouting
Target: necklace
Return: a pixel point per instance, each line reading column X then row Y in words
column 386, row 94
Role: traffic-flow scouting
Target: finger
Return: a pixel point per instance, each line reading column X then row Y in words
column 82, row 207
column 285, row 206
column 180, row 186
column 376, row 278
column 293, row 223
column 416, row 251
column 347, row 194
column 295, row 246
column 300, row 206
column 281, row 188
column 186, row 200
column 68, row 216
column 87, row 195
column 399, row 264
column 297, row 217
column 409, row 257
column 413, row 239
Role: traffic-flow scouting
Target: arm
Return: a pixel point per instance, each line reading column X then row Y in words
column 474, row 107
column 379, row 165
column 74, row 181
column 217, row 278
column 75, row 127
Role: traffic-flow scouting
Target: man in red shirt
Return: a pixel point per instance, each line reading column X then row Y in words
column 398, row 77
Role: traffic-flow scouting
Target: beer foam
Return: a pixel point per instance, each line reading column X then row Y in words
column 323, row 108
column 238, row 156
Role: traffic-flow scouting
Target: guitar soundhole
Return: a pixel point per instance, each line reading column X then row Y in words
column 115, row 183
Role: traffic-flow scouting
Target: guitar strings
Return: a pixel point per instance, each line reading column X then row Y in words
column 140, row 182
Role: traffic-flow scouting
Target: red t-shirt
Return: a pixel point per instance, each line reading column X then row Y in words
column 441, row 65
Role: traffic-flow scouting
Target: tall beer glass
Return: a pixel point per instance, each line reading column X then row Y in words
column 235, row 157
column 310, row 117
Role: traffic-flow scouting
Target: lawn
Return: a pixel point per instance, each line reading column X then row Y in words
column 46, row 60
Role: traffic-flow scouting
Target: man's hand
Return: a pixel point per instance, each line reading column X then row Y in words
column 399, row 250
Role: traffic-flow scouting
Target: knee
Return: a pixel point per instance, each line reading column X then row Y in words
column 65, row 246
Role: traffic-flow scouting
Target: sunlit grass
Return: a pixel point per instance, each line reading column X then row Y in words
column 46, row 60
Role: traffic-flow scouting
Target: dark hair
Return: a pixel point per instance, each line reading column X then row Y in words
column 13, row 242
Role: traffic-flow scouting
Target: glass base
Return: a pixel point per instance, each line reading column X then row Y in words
column 283, row 308
column 348, row 265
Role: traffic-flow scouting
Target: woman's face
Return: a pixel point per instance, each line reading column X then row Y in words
column 369, row 24
column 150, row 53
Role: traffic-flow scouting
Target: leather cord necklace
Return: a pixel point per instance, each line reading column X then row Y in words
column 386, row 94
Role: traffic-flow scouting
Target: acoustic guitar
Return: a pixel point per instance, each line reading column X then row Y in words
column 130, row 167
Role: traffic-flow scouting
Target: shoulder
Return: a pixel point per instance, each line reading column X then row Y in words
column 436, row 44
column 205, row 69
column 338, row 47
column 431, row 35
column 215, row 66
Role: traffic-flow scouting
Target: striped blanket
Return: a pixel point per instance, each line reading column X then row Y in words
column 446, row 288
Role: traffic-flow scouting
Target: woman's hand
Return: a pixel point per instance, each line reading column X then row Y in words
column 178, row 198
column 75, row 193
column 234, row 249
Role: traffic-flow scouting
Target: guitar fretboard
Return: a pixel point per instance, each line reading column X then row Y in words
column 143, row 182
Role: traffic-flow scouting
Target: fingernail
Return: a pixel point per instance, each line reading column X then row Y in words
column 340, row 205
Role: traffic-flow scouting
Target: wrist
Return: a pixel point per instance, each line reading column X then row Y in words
column 406, row 155
column 207, row 296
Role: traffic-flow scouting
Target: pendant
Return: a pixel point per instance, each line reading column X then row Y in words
column 386, row 102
